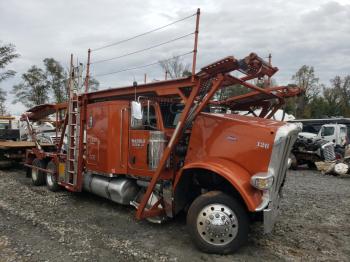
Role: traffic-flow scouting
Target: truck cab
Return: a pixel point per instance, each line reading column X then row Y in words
column 336, row 133
column 158, row 147
column 219, row 152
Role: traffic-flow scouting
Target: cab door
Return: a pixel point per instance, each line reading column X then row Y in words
column 138, row 161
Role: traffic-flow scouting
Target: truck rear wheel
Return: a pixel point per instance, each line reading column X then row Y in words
column 51, row 177
column 38, row 176
column 218, row 223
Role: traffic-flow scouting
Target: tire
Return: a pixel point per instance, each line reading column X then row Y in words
column 38, row 176
column 231, row 219
column 51, row 178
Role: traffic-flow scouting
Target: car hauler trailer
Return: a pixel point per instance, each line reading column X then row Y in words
column 157, row 147
column 12, row 146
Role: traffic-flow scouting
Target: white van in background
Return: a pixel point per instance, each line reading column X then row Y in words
column 336, row 133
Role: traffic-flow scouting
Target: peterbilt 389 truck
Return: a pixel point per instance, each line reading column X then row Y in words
column 158, row 147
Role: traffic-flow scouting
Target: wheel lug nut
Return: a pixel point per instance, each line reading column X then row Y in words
column 217, row 215
column 211, row 217
column 207, row 221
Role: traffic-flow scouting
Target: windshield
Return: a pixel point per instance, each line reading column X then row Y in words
column 171, row 113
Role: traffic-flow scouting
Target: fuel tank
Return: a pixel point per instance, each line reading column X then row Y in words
column 118, row 189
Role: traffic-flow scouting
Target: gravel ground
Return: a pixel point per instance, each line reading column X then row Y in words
column 38, row 225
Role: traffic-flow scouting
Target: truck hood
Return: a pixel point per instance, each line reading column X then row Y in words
column 250, row 120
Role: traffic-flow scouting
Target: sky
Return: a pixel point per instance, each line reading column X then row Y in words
column 296, row 33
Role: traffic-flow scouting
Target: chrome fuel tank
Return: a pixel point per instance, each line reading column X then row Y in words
column 118, row 189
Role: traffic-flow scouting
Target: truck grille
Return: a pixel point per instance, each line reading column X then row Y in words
column 285, row 138
column 328, row 152
column 280, row 176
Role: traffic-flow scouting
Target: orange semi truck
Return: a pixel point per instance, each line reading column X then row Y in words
column 158, row 147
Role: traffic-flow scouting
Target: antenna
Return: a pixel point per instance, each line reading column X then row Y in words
column 195, row 44
column 135, row 85
column 87, row 78
column 268, row 77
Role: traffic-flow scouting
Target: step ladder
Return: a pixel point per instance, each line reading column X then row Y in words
column 71, row 170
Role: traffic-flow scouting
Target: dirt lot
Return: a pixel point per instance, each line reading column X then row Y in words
column 38, row 225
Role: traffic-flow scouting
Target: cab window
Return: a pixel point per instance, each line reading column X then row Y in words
column 327, row 131
column 149, row 118
column 343, row 131
column 171, row 113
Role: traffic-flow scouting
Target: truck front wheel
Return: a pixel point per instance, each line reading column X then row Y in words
column 38, row 176
column 218, row 223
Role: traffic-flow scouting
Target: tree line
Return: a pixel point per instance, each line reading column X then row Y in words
column 319, row 100
column 37, row 86
column 49, row 84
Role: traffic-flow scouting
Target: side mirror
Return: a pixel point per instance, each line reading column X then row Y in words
column 136, row 114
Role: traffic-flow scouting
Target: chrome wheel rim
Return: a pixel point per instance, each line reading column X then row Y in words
column 217, row 224
column 49, row 179
column 34, row 174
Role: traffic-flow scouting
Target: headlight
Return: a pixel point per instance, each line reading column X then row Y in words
column 262, row 181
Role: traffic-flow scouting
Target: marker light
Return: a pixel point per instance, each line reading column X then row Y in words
column 262, row 181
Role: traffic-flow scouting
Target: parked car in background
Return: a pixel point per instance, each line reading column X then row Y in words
column 315, row 125
column 336, row 133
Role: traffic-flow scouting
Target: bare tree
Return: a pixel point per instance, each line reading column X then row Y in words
column 175, row 68
column 340, row 88
column 306, row 79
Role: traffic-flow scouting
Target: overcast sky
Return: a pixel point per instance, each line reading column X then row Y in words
column 298, row 32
